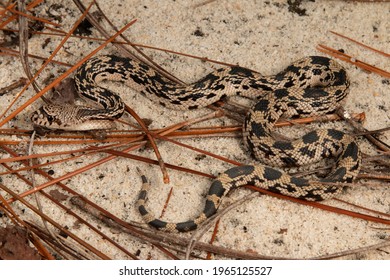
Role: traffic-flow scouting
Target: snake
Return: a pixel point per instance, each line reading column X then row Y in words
column 313, row 85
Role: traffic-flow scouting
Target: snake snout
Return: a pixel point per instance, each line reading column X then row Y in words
column 39, row 118
column 45, row 117
column 65, row 117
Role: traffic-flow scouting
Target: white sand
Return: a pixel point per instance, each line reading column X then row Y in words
column 261, row 35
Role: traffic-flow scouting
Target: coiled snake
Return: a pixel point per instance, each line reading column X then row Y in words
column 310, row 86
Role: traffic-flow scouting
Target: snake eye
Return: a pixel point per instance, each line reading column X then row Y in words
column 50, row 119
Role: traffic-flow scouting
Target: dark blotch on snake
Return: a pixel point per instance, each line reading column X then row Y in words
column 316, row 72
column 158, row 224
column 352, row 150
column 289, row 84
column 186, row 226
column 283, row 145
column 300, row 182
column 281, row 93
column 314, row 93
column 241, row 71
column 341, row 77
column 271, row 173
column 339, row 94
column 336, row 176
column 211, row 95
column 209, row 209
column 288, row 161
column 239, row 171
column 193, row 107
column 258, row 129
column 136, row 79
column 305, row 151
column 217, row 87
column 216, row 188
column 261, row 105
column 321, row 60
column 142, row 210
column 310, row 137
column 335, row 134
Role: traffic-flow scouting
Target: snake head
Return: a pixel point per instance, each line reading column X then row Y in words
column 49, row 116
column 67, row 117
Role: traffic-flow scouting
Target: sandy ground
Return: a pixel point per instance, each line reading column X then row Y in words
column 261, row 35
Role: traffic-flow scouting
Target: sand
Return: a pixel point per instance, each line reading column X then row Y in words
column 262, row 35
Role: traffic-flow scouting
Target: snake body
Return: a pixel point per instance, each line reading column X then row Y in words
column 140, row 77
column 311, row 86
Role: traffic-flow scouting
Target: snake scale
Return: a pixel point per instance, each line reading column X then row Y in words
column 310, row 86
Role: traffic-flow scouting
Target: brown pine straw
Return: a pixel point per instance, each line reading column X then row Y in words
column 314, row 204
column 123, row 154
column 360, row 130
column 107, row 149
column 331, row 208
column 23, row 47
column 18, row 110
column 103, row 212
column 25, row 15
column 352, row 60
column 116, row 42
column 152, row 143
column 360, row 44
column 114, row 154
column 69, row 71
column 6, row 208
column 68, row 211
column 9, row 52
column 130, row 135
column 13, row 17
column 51, row 221
column 22, row 81
column 138, row 54
column 61, row 77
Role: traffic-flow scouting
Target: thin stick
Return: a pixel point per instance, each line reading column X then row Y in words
column 14, row 85
column 23, row 46
column 10, row 52
column 152, row 143
column 47, row 88
column 13, row 17
column 67, row 210
column 50, row 220
column 352, row 60
column 360, row 44
column 25, row 15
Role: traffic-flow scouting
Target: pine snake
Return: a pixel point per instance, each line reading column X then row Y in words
column 311, row 86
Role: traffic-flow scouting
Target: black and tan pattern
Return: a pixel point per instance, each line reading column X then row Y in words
column 310, row 86
column 299, row 97
column 306, row 73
